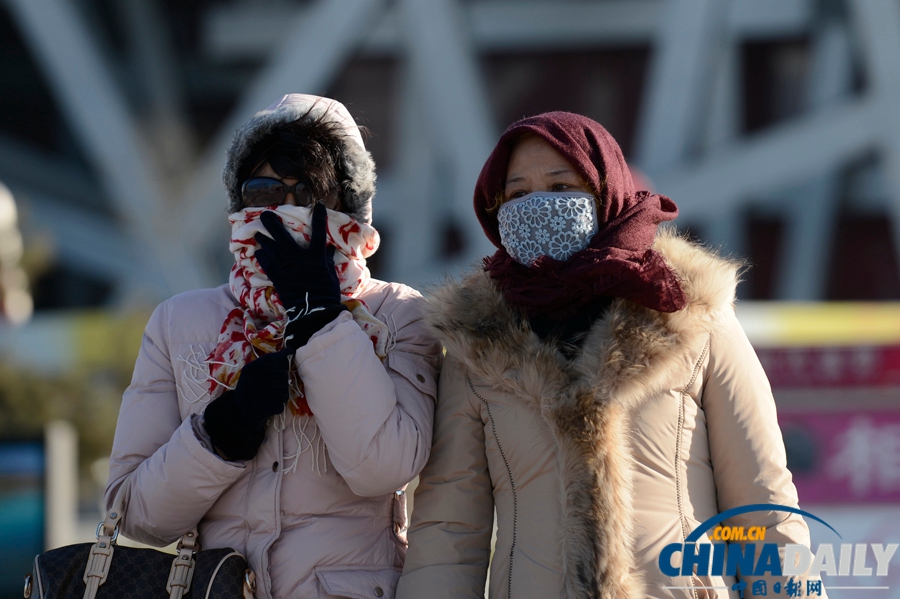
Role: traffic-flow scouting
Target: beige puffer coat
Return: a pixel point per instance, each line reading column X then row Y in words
column 546, row 442
column 326, row 528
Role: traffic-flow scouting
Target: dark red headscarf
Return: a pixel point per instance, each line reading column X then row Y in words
column 618, row 262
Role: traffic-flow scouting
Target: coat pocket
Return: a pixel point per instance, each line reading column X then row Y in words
column 359, row 583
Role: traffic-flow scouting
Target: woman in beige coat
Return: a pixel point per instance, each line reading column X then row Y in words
column 284, row 413
column 597, row 392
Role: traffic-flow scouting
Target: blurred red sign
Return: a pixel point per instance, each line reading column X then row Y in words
column 817, row 367
column 844, row 457
column 839, row 411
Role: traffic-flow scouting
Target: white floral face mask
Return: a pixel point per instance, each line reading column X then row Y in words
column 547, row 223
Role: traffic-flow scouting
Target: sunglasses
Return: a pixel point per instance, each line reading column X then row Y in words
column 260, row 192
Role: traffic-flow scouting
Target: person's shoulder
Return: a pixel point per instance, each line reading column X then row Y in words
column 378, row 291
column 708, row 279
column 201, row 301
column 395, row 303
column 384, row 297
column 195, row 310
column 468, row 301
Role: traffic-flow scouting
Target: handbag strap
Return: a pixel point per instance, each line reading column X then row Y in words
column 111, row 519
column 182, row 571
column 100, row 557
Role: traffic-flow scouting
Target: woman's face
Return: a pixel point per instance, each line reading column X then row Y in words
column 332, row 202
column 535, row 166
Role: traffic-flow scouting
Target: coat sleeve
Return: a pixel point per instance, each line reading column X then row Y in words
column 376, row 418
column 453, row 512
column 746, row 448
column 174, row 478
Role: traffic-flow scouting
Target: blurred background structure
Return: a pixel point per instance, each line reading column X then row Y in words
column 773, row 124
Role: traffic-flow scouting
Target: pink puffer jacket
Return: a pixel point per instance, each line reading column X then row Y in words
column 325, row 526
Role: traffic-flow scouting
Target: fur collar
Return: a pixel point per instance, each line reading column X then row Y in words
column 629, row 354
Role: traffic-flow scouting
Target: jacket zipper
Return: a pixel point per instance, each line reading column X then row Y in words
column 678, row 447
column 512, row 485
column 264, row 558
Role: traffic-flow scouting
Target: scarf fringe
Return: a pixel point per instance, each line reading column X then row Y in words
column 308, row 439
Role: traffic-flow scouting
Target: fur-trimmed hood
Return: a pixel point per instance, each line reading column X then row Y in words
column 358, row 162
column 629, row 354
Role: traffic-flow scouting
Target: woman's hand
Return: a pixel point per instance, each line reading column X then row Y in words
column 236, row 420
column 305, row 279
column 302, row 277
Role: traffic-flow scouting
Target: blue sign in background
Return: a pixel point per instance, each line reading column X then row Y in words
column 22, row 508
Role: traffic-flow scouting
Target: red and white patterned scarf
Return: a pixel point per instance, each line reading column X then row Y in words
column 256, row 327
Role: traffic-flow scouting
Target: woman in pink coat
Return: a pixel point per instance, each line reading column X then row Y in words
column 285, row 412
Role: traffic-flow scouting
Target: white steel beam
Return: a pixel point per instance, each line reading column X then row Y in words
column 243, row 31
column 98, row 115
column 412, row 249
column 86, row 242
column 877, row 28
column 310, row 55
column 723, row 124
column 156, row 63
column 25, row 167
column 461, row 131
column 510, row 25
column 760, row 19
column 721, row 129
column 812, row 215
column 61, row 476
column 816, row 142
column 679, row 82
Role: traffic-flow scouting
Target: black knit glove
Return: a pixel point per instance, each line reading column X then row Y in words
column 300, row 276
column 304, row 279
column 236, row 420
